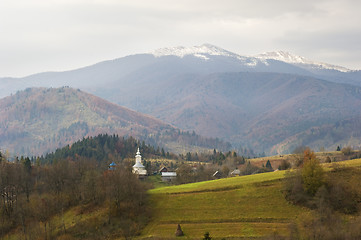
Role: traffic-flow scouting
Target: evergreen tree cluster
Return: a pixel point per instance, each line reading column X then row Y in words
column 105, row 148
column 102, row 148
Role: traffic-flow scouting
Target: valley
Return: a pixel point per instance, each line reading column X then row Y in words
column 187, row 120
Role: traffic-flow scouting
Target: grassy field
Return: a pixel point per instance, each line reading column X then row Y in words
column 276, row 160
column 246, row 206
column 349, row 163
column 240, row 207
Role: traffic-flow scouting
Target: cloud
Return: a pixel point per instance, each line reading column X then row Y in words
column 64, row 34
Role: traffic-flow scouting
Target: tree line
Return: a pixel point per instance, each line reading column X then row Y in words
column 104, row 148
column 31, row 195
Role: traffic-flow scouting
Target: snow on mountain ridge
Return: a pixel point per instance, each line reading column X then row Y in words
column 298, row 60
column 204, row 51
column 197, row 51
column 282, row 56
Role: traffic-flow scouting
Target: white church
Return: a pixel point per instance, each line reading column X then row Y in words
column 138, row 167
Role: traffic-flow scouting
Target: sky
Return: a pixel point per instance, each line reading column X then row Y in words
column 58, row 35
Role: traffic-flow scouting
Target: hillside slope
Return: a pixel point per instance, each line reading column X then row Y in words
column 257, row 110
column 241, row 207
column 247, row 206
column 342, row 133
column 40, row 120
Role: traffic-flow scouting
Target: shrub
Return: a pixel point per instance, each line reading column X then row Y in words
column 346, row 151
column 312, row 176
column 284, row 165
column 293, row 188
column 207, row 236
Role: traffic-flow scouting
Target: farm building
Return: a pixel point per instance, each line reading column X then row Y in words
column 217, row 175
column 112, row 166
column 163, row 169
column 236, row 172
column 169, row 176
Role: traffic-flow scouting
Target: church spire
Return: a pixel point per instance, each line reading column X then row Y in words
column 138, row 167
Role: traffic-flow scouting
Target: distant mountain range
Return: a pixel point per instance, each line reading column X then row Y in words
column 269, row 102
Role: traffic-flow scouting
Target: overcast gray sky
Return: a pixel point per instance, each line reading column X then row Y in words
column 57, row 35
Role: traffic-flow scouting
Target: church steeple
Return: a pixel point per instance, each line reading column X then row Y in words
column 138, row 167
column 138, row 155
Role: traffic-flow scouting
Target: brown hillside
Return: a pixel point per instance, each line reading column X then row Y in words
column 40, row 120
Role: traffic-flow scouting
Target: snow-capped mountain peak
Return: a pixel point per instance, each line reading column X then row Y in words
column 198, row 51
column 299, row 61
column 205, row 52
column 283, row 56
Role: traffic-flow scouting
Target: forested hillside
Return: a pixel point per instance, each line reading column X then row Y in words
column 37, row 121
column 255, row 110
column 104, row 149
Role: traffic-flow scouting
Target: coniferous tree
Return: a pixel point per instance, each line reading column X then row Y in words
column 268, row 165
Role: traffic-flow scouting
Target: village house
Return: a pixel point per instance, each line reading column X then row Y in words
column 217, row 175
column 236, row 172
column 163, row 169
column 112, row 166
column 169, row 176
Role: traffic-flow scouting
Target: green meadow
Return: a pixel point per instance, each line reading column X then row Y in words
column 239, row 207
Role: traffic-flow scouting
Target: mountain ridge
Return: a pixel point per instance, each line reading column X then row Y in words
column 202, row 51
column 208, row 49
column 287, row 57
column 39, row 120
column 202, row 59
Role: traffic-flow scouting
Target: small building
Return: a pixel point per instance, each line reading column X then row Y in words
column 236, row 172
column 169, row 176
column 138, row 167
column 163, row 169
column 112, row 166
column 217, row 175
